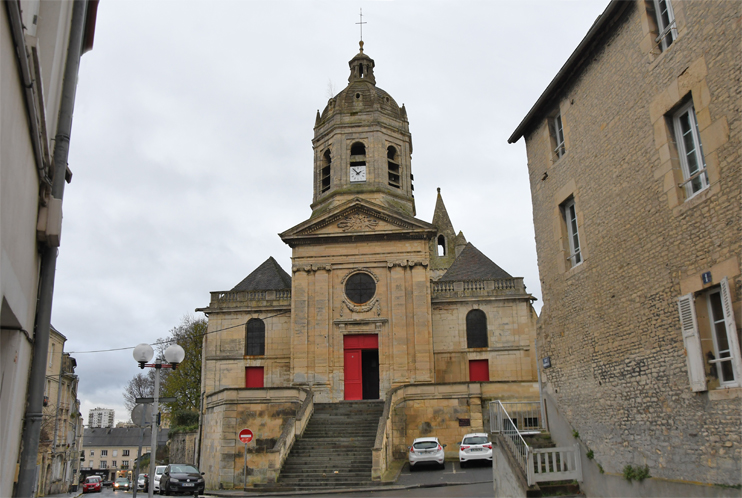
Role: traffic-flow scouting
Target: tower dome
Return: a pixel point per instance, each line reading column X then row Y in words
column 362, row 144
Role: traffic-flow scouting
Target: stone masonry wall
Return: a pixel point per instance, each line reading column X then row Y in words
column 511, row 331
column 231, row 410
column 611, row 325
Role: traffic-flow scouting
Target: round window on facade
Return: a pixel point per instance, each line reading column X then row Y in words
column 360, row 288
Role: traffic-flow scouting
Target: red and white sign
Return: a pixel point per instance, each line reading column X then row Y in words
column 245, row 435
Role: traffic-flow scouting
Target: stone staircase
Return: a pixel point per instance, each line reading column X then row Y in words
column 335, row 449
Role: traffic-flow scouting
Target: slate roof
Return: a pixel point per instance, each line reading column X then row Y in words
column 473, row 265
column 121, row 436
column 268, row 276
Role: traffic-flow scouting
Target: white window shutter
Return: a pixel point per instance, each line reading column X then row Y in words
column 692, row 341
column 726, row 306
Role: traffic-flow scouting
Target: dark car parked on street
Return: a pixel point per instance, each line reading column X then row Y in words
column 181, row 478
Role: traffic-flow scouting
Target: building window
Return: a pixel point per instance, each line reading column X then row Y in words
column 712, row 349
column 360, row 288
column 103, row 452
column 124, row 452
column 690, row 151
column 325, row 176
column 115, row 452
column 569, row 214
column 476, row 329
column 441, row 245
column 255, row 337
column 557, row 135
column 392, row 160
column 103, row 464
column 92, row 452
column 113, row 464
column 254, row 377
column 124, row 464
column 666, row 28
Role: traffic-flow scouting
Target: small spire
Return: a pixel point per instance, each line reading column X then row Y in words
column 360, row 43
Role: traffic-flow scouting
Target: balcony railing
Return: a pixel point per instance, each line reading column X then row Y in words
column 232, row 299
column 478, row 287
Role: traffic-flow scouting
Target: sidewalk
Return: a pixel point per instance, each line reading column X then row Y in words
column 66, row 495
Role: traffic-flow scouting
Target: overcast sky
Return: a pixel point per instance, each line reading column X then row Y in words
column 191, row 145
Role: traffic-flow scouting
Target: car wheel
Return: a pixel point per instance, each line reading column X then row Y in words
column 412, row 468
column 462, row 464
column 443, row 466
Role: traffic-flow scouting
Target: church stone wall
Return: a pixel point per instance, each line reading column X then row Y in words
column 265, row 412
column 511, row 333
column 611, row 324
column 224, row 358
column 400, row 317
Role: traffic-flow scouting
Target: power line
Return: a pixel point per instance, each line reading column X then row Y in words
column 168, row 341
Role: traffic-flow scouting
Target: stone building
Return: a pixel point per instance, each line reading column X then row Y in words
column 112, row 452
column 376, row 301
column 37, row 44
column 61, row 429
column 634, row 163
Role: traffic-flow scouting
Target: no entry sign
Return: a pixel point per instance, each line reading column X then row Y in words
column 245, row 435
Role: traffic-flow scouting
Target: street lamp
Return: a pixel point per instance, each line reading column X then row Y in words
column 174, row 355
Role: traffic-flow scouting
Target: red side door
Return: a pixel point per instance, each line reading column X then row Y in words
column 253, row 376
column 353, row 378
column 479, row 371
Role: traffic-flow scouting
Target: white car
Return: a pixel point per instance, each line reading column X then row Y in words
column 158, row 474
column 475, row 446
column 426, row 450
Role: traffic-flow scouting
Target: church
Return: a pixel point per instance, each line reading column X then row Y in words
column 375, row 301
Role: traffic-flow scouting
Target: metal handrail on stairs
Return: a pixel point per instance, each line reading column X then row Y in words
column 501, row 423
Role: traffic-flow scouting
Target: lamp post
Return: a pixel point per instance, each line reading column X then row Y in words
column 174, row 355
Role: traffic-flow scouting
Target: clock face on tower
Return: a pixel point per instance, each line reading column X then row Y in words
column 358, row 173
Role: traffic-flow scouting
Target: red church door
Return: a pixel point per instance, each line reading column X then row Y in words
column 361, row 366
column 353, row 379
column 479, row 371
column 254, row 376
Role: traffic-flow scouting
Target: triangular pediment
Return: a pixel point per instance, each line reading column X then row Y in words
column 357, row 218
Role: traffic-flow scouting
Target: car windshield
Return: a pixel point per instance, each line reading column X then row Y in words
column 425, row 445
column 92, row 479
column 475, row 440
column 182, row 469
column 122, row 480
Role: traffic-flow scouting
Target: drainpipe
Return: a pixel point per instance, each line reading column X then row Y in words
column 34, row 407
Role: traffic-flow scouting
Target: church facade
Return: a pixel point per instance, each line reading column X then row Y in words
column 375, row 298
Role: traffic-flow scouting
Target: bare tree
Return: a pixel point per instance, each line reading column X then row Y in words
column 142, row 385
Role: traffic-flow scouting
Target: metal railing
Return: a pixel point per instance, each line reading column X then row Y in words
column 501, row 423
column 527, row 416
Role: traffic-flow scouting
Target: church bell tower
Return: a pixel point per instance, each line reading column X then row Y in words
column 362, row 146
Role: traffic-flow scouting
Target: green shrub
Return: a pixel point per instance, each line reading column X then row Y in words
column 575, row 434
column 590, row 455
column 639, row 473
column 600, row 468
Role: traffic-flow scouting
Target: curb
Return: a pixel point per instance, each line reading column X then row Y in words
column 368, row 489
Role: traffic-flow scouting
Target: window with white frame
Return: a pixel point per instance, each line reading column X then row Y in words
column 92, row 452
column 557, row 135
column 103, row 452
column 124, row 464
column 667, row 30
column 103, row 464
column 113, row 464
column 709, row 329
column 115, row 452
column 690, row 151
column 125, row 452
column 573, row 234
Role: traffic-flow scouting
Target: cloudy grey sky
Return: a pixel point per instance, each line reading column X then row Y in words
column 191, row 146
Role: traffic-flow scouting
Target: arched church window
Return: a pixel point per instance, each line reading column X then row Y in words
column 255, row 337
column 392, row 159
column 325, row 174
column 441, row 245
column 360, row 288
column 476, row 329
column 358, row 154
